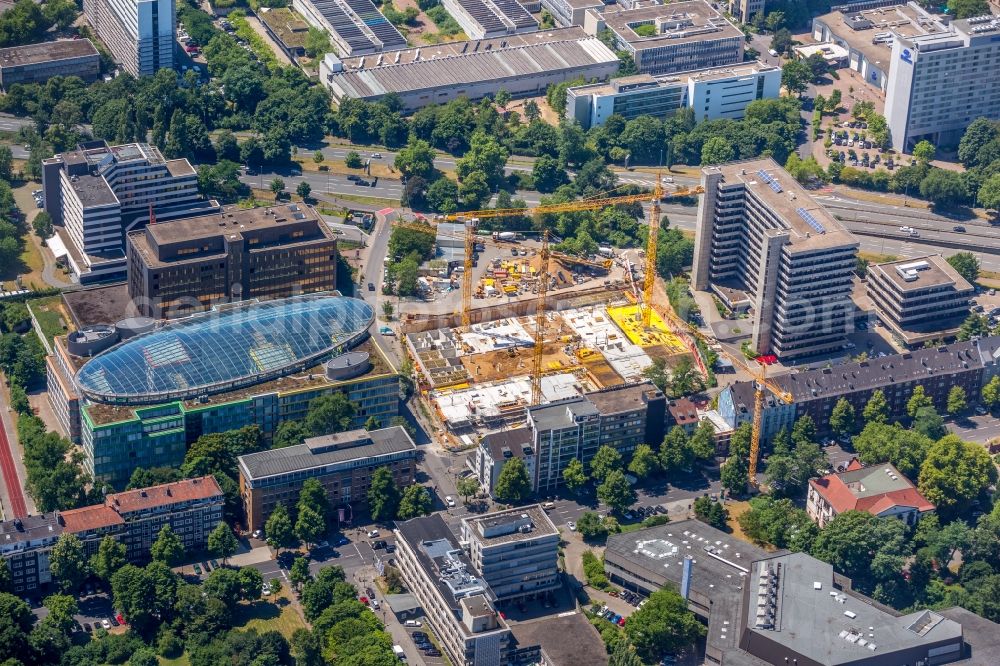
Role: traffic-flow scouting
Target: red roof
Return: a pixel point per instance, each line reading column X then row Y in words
column 90, row 518
column 169, row 493
column 842, row 497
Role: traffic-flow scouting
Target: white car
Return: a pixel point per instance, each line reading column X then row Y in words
column 376, row 156
column 413, row 623
column 106, row 624
column 373, row 534
column 449, row 500
column 571, row 525
column 257, row 534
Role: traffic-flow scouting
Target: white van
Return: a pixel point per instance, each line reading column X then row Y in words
column 398, row 651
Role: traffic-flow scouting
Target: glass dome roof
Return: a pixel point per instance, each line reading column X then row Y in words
column 226, row 349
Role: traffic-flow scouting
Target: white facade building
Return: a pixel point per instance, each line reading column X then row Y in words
column 140, row 33
column 722, row 92
column 939, row 83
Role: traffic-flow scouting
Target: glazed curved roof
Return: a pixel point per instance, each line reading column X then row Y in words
column 225, row 350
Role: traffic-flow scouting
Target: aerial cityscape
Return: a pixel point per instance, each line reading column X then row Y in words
column 499, row 333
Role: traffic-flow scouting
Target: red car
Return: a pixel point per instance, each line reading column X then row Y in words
column 191, row 48
column 621, row 622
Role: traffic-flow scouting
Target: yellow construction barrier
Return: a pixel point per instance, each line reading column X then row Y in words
column 629, row 320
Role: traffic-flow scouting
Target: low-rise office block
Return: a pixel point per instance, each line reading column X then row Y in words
column 37, row 63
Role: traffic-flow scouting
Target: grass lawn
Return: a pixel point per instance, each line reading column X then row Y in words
column 50, row 315
column 264, row 616
column 182, row 660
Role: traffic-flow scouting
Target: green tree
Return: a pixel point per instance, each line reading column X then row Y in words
column 963, row 9
column 548, row 173
column 330, row 413
column 605, row 461
column 222, row 542
column 616, row 491
column 717, row 150
column 575, row 477
column 442, row 195
column 277, row 186
column 353, row 160
column 842, row 418
column 290, row 433
column 42, row 225
column 804, row 430
column 312, row 495
column 924, row 151
column 168, row 547
column 310, row 526
column 966, row 264
column 274, row 586
column 663, row 625
column 918, row 399
column 876, row 409
column 383, row 495
column 467, row 487
column 974, row 325
column 795, row 77
column 68, row 562
column 318, row 157
column 513, row 485
column 710, row 512
column 590, row 527
column 109, row 558
column 299, row 574
column 943, row 187
column 955, row 473
column 644, row 461
column 778, row 522
column 781, row 40
column 16, row 621
column 989, row 193
column 702, row 442
column 929, row 423
column 957, row 400
column 303, row 189
column 881, row 442
column 416, row 501
column 62, row 608
column 991, row 392
column 868, row 549
column 735, row 472
column 278, row 528
column 416, row 159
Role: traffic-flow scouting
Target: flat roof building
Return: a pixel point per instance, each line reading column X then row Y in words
column 140, row 33
column 925, row 99
column 522, row 64
column 867, row 33
column 342, row 462
column 722, row 92
column 760, row 231
column 919, row 299
column 25, row 543
column 355, row 26
column 880, row 490
column 457, row 602
column 571, row 12
column 516, row 551
column 495, row 449
column 575, row 428
column 490, row 18
column 184, row 266
column 675, row 37
column 97, row 193
column 765, row 608
column 37, row 63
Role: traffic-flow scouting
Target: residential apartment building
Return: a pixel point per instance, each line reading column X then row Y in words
column 457, row 602
column 25, row 543
column 880, row 490
column 761, row 235
column 495, row 449
column 919, row 299
column 37, row 63
column 342, row 462
column 575, row 428
column 139, row 33
column 516, row 552
column 940, row 82
column 184, row 266
column 816, row 392
column 676, row 37
column 723, row 92
column 192, row 508
column 96, row 193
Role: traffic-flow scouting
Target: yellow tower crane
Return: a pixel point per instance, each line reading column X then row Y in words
column 761, row 384
column 469, row 220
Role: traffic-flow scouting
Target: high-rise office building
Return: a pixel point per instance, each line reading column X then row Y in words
column 762, row 237
column 140, row 33
column 940, row 82
column 98, row 192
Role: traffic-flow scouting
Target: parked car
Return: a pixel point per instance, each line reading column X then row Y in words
column 449, row 500
column 106, row 623
column 197, row 569
column 571, row 525
column 413, row 623
column 373, row 534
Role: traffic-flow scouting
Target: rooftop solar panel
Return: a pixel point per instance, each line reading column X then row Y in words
column 499, row 15
column 810, row 220
column 347, row 17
